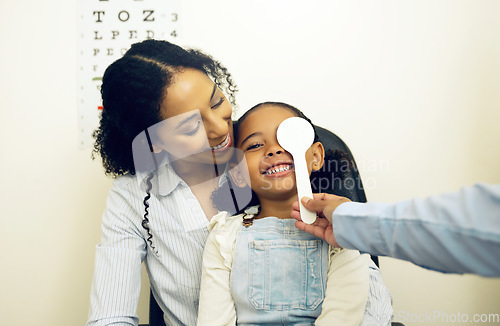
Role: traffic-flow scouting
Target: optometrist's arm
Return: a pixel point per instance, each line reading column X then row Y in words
column 453, row 232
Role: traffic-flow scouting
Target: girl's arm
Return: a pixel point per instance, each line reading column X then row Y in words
column 216, row 303
column 346, row 290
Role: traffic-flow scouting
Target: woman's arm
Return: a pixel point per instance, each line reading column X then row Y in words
column 116, row 282
column 346, row 290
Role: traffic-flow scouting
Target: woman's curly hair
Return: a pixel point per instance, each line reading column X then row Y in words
column 335, row 160
column 133, row 88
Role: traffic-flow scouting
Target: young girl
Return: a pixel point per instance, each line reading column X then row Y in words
column 163, row 220
column 258, row 268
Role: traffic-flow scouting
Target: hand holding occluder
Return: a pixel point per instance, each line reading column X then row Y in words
column 324, row 205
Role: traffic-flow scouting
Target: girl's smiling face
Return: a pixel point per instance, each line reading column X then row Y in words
column 270, row 167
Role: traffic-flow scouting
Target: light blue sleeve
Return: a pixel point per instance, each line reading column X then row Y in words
column 453, row 232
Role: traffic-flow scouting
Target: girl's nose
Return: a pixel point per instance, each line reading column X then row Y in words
column 275, row 150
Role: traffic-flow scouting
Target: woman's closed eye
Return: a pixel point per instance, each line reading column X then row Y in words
column 216, row 105
column 192, row 129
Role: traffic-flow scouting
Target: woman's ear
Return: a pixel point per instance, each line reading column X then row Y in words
column 318, row 156
column 237, row 175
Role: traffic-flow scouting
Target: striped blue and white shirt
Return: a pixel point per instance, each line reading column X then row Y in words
column 180, row 229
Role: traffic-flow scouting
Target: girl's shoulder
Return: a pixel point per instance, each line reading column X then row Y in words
column 224, row 222
column 223, row 231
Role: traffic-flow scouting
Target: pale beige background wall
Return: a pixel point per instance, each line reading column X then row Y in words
column 412, row 86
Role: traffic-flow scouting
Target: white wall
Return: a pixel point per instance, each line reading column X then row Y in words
column 411, row 86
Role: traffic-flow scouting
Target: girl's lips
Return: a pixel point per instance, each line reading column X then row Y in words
column 279, row 170
column 224, row 145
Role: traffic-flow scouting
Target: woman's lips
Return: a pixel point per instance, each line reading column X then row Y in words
column 224, row 145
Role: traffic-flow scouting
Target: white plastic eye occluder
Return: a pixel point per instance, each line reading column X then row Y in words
column 296, row 135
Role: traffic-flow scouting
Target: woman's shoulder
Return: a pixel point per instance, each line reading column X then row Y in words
column 125, row 199
column 127, row 185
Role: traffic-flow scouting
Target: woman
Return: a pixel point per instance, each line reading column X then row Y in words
column 165, row 123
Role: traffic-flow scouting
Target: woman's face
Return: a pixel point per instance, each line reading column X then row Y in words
column 270, row 167
column 197, row 125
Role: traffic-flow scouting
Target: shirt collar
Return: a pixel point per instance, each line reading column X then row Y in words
column 168, row 180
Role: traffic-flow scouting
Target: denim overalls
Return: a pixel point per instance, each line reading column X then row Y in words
column 278, row 274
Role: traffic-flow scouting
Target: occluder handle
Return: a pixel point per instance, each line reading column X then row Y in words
column 303, row 188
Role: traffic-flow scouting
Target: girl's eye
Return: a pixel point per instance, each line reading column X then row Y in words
column 216, row 105
column 194, row 130
column 254, row 146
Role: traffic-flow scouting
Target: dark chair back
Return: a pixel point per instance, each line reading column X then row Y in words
column 155, row 312
column 350, row 185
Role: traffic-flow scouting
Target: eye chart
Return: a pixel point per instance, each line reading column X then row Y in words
column 107, row 29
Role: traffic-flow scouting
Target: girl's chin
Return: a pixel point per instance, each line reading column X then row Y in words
column 277, row 190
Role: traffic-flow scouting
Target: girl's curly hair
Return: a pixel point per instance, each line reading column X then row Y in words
column 132, row 90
